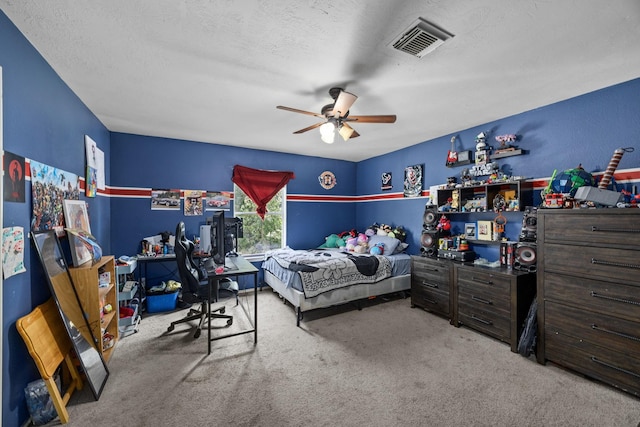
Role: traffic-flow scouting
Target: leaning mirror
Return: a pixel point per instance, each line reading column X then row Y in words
column 84, row 343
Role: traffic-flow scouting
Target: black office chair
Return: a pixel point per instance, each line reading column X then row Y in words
column 195, row 286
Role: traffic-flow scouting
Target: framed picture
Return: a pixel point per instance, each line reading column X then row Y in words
column 413, row 181
column 485, row 230
column 77, row 218
column 470, row 230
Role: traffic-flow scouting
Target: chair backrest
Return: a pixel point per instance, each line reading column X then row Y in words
column 190, row 274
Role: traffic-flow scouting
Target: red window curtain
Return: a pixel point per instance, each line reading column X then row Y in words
column 260, row 185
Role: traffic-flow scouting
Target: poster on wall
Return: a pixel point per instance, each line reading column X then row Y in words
column 386, row 181
column 91, row 184
column 164, row 199
column 218, row 200
column 413, row 181
column 95, row 160
column 12, row 251
column 193, row 202
column 14, row 180
column 49, row 187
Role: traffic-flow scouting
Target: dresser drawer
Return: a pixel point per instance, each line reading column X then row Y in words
column 604, row 297
column 474, row 278
column 430, row 285
column 592, row 261
column 495, row 323
column 597, row 362
column 597, row 227
column 430, row 299
column 598, row 329
column 431, row 270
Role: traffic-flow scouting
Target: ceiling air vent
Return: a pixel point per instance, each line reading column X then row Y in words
column 420, row 38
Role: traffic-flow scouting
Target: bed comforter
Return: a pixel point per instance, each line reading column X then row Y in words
column 324, row 270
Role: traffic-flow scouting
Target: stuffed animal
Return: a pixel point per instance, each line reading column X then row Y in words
column 444, row 225
column 378, row 249
column 333, row 241
column 371, row 231
column 383, row 230
column 400, row 233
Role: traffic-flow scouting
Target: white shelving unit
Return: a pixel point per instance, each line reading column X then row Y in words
column 127, row 291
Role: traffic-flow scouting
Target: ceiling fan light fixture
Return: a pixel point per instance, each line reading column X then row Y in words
column 346, row 131
column 344, row 101
column 327, row 132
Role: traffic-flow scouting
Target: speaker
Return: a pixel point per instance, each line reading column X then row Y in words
column 525, row 256
column 429, row 243
column 529, row 230
column 430, row 217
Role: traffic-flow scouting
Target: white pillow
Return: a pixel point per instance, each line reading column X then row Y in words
column 390, row 243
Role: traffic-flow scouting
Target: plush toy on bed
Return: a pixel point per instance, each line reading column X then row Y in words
column 333, row 241
column 400, row 233
column 377, row 249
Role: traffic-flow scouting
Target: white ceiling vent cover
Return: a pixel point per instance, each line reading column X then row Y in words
column 420, row 38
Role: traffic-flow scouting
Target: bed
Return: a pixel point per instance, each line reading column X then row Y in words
column 320, row 278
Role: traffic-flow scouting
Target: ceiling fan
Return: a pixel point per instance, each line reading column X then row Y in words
column 336, row 116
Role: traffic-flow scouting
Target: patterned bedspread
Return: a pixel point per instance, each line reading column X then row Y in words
column 321, row 270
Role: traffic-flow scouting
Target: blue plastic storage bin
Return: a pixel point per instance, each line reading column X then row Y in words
column 161, row 302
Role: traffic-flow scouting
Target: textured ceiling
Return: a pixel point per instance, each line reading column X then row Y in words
column 214, row 70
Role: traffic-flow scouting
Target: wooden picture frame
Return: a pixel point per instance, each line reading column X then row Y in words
column 485, row 230
column 77, row 217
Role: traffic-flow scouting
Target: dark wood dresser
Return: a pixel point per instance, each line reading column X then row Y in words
column 493, row 301
column 589, row 293
column 431, row 281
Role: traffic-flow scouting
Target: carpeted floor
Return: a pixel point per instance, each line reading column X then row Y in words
column 386, row 365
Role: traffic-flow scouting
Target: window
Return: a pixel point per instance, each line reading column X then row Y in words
column 260, row 236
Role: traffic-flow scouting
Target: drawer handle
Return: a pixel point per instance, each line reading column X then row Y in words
column 617, row 368
column 618, row 334
column 488, row 282
column 435, row 270
column 482, row 300
column 625, row 301
column 615, row 230
column 430, row 285
column 614, row 264
column 430, row 301
column 476, row 318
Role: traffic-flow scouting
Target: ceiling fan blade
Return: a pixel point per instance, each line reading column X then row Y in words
column 317, row 125
column 295, row 110
column 343, row 103
column 372, row 119
column 347, row 132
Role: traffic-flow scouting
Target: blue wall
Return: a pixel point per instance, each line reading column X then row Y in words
column 45, row 121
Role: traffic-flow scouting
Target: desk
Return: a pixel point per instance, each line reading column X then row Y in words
column 244, row 268
column 144, row 260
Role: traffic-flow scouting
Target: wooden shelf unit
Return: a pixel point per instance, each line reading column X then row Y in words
column 94, row 298
column 482, row 196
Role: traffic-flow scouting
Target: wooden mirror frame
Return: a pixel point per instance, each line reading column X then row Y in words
column 72, row 313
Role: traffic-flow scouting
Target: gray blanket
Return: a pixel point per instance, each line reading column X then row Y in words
column 322, row 271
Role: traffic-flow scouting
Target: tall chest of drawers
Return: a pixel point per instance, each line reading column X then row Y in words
column 493, row 301
column 589, row 293
column 431, row 285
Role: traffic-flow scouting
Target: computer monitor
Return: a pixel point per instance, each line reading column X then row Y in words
column 218, row 251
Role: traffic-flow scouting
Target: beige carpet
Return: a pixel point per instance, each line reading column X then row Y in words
column 386, row 365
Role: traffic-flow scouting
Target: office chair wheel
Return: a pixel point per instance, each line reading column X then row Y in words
column 222, row 310
column 197, row 334
column 229, row 322
column 169, row 329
